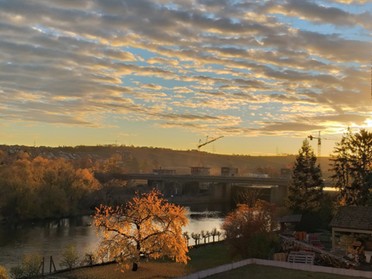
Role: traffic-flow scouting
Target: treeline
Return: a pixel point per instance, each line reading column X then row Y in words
column 38, row 188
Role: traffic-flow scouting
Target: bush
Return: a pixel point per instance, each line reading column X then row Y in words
column 29, row 267
column 16, row 272
column 70, row 257
column 249, row 230
column 261, row 245
column 3, row 273
column 89, row 259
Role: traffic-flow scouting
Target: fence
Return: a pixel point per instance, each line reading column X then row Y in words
column 52, row 266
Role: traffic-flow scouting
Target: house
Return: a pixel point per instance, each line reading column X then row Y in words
column 288, row 222
column 350, row 225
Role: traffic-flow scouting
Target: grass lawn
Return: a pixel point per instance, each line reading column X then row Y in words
column 201, row 258
column 263, row 272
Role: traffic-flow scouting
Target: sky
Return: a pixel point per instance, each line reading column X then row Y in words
column 263, row 75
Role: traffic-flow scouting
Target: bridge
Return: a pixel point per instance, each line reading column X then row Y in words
column 281, row 181
column 219, row 187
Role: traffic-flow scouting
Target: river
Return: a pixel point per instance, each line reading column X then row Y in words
column 50, row 238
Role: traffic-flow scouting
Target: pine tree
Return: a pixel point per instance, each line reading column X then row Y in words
column 306, row 190
column 352, row 167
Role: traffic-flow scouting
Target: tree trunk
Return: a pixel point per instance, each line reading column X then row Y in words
column 134, row 267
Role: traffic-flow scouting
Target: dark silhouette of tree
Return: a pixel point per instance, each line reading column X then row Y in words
column 352, row 167
column 306, row 190
column 196, row 237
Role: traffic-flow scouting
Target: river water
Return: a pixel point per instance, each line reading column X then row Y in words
column 51, row 238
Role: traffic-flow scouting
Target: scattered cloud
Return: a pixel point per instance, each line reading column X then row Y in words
column 239, row 67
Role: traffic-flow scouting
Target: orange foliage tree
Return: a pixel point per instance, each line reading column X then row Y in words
column 249, row 230
column 146, row 227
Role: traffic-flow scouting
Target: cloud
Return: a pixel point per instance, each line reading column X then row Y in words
column 290, row 126
column 202, row 65
column 322, row 14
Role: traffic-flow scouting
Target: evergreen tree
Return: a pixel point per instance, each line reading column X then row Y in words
column 306, row 190
column 352, row 167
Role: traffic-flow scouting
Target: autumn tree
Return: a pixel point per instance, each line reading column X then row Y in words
column 352, row 168
column 306, row 189
column 148, row 226
column 249, row 230
column 43, row 188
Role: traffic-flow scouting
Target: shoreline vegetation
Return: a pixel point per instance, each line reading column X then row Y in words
column 43, row 183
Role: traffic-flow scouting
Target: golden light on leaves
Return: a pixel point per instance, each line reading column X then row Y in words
column 146, row 227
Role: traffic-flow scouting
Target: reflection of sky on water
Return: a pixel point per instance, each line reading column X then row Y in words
column 49, row 239
column 206, row 224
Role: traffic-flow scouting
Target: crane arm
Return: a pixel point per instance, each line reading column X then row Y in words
column 207, row 142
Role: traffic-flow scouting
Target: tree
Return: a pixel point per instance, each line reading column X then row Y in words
column 147, row 226
column 249, row 230
column 43, row 188
column 352, row 167
column 306, row 190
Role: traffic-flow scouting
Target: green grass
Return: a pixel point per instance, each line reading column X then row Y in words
column 263, row 272
column 208, row 256
column 202, row 258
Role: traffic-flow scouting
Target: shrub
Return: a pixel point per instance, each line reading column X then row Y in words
column 89, row 259
column 29, row 267
column 3, row 273
column 261, row 245
column 249, row 230
column 16, row 272
column 70, row 257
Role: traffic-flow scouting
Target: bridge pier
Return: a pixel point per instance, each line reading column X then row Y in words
column 222, row 188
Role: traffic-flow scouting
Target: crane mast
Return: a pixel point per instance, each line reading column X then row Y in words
column 319, row 142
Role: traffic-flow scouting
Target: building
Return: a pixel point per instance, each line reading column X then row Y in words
column 200, row 171
column 352, row 228
column 164, row 171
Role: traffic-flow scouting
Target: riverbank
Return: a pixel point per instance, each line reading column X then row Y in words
column 202, row 257
column 50, row 238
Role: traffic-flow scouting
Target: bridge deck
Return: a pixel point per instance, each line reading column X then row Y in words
column 198, row 178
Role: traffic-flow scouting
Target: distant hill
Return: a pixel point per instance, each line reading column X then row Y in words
column 145, row 159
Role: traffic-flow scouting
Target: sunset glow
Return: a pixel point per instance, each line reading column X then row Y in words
column 263, row 74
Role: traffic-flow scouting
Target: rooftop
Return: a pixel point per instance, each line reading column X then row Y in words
column 353, row 217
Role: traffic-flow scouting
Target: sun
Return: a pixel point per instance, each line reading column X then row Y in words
column 368, row 123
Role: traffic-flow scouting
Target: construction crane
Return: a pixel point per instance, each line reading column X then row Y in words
column 319, row 138
column 208, row 141
column 319, row 143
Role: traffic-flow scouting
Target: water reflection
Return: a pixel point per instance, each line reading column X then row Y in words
column 50, row 238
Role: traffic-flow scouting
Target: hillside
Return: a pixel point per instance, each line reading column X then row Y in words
column 145, row 159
